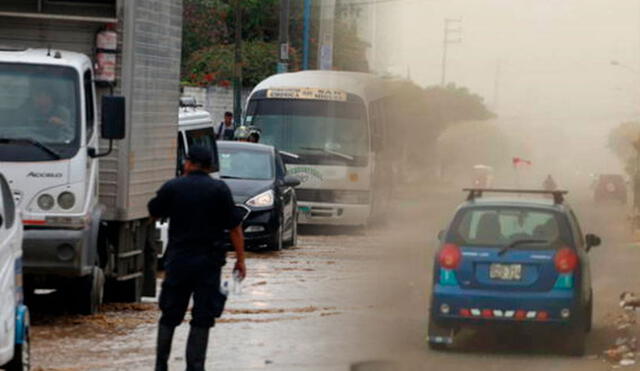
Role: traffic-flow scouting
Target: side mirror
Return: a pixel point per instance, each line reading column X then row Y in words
column 113, row 123
column 441, row 234
column 291, row 181
column 592, row 241
column 113, row 118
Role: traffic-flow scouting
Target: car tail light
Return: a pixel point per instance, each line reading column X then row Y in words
column 465, row 312
column 542, row 316
column 566, row 260
column 450, row 256
column 487, row 313
column 521, row 314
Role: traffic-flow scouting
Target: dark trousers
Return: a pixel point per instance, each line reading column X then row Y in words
column 202, row 281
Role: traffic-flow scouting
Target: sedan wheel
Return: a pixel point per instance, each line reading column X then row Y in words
column 277, row 243
column 294, row 231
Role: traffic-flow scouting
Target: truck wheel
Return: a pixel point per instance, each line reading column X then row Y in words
column 89, row 292
column 22, row 355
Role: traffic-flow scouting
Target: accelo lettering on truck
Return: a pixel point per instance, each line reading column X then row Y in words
column 329, row 126
column 87, row 230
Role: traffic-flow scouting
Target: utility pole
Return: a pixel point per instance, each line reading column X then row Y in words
column 325, row 45
column 452, row 35
column 237, row 66
column 305, row 37
column 283, row 64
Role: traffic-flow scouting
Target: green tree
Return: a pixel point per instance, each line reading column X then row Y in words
column 621, row 140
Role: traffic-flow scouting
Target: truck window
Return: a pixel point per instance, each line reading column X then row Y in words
column 88, row 103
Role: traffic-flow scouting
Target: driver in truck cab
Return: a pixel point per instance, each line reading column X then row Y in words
column 50, row 114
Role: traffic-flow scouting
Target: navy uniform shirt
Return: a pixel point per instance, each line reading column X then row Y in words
column 199, row 209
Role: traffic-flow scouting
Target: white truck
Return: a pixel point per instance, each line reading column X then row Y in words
column 14, row 316
column 87, row 231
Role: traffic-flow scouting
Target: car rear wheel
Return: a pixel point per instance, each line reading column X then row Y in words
column 577, row 335
column 438, row 337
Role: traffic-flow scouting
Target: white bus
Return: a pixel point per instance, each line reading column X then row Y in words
column 329, row 126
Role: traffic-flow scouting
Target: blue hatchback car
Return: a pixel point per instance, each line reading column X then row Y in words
column 512, row 262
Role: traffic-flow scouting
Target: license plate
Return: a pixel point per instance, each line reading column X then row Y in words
column 506, row 272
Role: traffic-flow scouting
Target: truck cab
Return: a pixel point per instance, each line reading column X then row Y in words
column 14, row 316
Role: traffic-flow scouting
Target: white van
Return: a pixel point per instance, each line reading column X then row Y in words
column 195, row 126
column 14, row 316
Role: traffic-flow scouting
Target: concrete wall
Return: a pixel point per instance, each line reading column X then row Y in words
column 216, row 99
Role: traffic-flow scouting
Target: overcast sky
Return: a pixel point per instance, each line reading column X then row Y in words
column 554, row 55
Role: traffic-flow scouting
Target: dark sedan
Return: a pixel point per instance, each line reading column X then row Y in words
column 258, row 180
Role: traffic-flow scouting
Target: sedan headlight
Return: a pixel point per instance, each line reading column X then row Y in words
column 264, row 199
column 46, row 202
column 66, row 200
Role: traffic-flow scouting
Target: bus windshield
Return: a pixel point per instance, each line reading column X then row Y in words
column 39, row 112
column 319, row 132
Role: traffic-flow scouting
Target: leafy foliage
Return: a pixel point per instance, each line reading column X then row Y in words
column 208, row 33
column 621, row 140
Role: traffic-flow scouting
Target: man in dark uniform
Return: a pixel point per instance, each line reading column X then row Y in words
column 199, row 209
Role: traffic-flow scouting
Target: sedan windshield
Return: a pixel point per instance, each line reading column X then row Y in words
column 499, row 227
column 38, row 110
column 243, row 164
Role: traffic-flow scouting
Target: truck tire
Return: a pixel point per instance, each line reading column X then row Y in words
column 88, row 293
column 21, row 356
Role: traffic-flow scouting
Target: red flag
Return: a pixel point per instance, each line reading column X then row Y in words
column 517, row 161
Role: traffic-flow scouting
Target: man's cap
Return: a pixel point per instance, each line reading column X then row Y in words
column 200, row 155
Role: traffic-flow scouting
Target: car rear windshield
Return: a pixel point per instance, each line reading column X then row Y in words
column 500, row 226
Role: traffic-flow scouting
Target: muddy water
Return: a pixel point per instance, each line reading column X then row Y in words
column 340, row 297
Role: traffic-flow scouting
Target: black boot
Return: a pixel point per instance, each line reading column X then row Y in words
column 197, row 348
column 163, row 346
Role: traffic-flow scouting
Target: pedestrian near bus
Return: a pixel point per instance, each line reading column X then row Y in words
column 200, row 209
column 226, row 129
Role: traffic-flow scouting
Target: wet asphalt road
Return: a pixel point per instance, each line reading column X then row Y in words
column 351, row 296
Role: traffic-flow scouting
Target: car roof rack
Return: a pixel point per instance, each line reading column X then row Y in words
column 558, row 195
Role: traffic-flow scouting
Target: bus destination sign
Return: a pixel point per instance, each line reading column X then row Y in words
column 308, row 93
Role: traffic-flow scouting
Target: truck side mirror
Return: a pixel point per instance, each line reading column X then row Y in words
column 113, row 123
column 113, row 118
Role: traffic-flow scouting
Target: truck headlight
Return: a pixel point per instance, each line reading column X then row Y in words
column 264, row 199
column 46, row 202
column 66, row 200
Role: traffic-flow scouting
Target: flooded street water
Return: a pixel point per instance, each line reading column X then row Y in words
column 338, row 299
